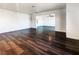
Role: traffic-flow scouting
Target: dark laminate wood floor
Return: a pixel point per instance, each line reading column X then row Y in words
column 29, row 42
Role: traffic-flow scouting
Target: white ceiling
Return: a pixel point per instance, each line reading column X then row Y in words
column 27, row 7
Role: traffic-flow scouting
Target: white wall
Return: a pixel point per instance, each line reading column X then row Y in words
column 33, row 21
column 60, row 16
column 11, row 21
column 73, row 21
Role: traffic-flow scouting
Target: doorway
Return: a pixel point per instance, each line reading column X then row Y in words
column 45, row 23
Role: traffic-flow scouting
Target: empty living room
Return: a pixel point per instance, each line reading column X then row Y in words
column 39, row 29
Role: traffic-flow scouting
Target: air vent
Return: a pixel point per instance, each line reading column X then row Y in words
column 33, row 6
